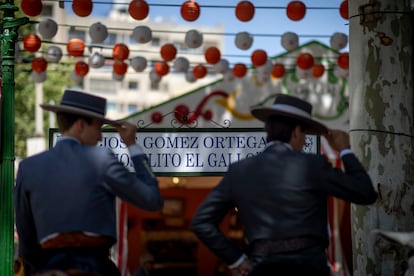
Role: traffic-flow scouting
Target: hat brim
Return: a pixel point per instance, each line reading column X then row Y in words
column 313, row 127
column 78, row 111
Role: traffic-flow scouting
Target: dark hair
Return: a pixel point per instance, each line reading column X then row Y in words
column 280, row 128
column 65, row 120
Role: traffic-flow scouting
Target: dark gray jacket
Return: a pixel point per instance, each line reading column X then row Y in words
column 279, row 194
column 72, row 187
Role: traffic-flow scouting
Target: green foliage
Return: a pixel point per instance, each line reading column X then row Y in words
column 24, row 111
column 58, row 77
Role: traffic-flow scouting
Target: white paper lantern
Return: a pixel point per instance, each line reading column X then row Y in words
column 47, row 28
column 96, row 60
column 138, row 63
column 290, row 41
column 243, row 40
column 338, row 41
column 98, row 32
column 142, row 34
column 75, row 77
column 117, row 77
column 39, row 77
column 193, row 39
column 189, row 76
column 181, row 64
column 154, row 77
column 53, row 54
column 222, row 66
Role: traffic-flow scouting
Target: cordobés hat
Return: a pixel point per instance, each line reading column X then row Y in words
column 293, row 107
column 81, row 103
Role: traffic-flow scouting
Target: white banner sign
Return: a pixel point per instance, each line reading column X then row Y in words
column 195, row 152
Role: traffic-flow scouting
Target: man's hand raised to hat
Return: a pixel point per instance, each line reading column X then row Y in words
column 127, row 132
column 338, row 139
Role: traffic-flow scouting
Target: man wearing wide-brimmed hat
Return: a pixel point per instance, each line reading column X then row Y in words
column 65, row 196
column 281, row 196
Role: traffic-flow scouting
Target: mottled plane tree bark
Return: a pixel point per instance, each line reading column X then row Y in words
column 381, row 124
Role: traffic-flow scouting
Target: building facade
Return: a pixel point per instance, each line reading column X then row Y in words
column 134, row 91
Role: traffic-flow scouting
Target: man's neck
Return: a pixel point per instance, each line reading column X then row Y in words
column 289, row 146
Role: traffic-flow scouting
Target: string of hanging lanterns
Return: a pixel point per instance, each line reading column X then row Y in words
column 190, row 11
column 76, row 47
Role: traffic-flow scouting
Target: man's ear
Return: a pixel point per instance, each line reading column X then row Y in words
column 296, row 131
column 80, row 124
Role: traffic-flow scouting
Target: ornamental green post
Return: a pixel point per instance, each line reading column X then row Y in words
column 9, row 27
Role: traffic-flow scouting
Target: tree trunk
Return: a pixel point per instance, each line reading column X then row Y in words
column 381, row 108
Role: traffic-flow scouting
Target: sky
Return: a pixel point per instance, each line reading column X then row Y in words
column 322, row 19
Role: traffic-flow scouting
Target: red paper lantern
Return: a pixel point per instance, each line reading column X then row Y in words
column 82, row 8
column 317, row 70
column 120, row 51
column 212, row 55
column 168, row 52
column 208, row 115
column 75, row 47
column 296, row 10
column 259, row 57
column 31, row 7
column 343, row 60
column 81, row 68
column 181, row 113
column 161, row 68
column 39, row 64
column 156, row 117
column 278, row 70
column 239, row 70
column 138, row 9
column 245, row 11
column 120, row 67
column 305, row 61
column 31, row 43
column 343, row 10
column 190, row 10
column 199, row 71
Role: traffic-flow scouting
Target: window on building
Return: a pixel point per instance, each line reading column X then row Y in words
column 151, row 63
column 133, row 85
column 110, row 106
column 132, row 108
column 47, row 10
column 164, row 86
column 180, row 45
column 110, row 39
column 122, row 9
column 73, row 33
column 155, row 86
column 156, row 41
column 132, row 40
column 102, row 85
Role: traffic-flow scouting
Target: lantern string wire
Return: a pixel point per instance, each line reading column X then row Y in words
column 201, row 6
column 110, row 47
column 184, row 32
column 382, row 131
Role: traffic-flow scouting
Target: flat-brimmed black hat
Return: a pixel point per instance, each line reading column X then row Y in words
column 81, row 103
column 293, row 107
